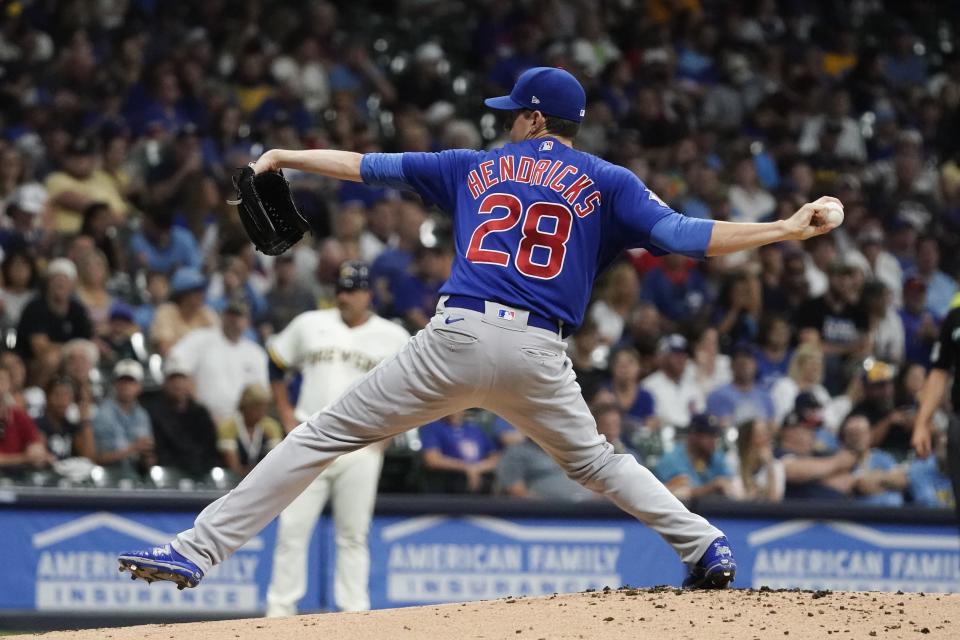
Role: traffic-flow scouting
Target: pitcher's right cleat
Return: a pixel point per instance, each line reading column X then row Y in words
column 715, row 570
column 161, row 563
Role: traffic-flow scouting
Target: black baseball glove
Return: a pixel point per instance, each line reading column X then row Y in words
column 267, row 210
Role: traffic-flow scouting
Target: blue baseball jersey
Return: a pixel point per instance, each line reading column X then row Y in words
column 535, row 221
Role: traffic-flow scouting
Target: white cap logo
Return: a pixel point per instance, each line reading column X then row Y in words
column 583, row 112
column 535, row 100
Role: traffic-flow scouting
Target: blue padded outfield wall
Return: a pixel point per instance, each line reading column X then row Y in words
column 57, row 560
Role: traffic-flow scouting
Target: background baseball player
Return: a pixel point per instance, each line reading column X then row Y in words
column 332, row 348
column 534, row 222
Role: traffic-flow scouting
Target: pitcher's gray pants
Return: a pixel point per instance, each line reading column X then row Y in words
column 520, row 373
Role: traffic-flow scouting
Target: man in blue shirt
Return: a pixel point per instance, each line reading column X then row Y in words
column 459, row 456
column 741, row 399
column 161, row 246
column 534, row 222
column 930, row 486
column 697, row 467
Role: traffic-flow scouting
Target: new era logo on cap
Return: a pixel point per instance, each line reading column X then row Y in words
column 534, row 100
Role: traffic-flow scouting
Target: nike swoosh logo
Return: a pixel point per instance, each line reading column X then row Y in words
column 452, row 320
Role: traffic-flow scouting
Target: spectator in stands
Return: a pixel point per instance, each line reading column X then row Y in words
column 742, row 398
column 708, row 369
column 175, row 184
column 20, row 393
column 21, row 443
column 235, row 282
column 811, row 475
column 757, row 474
column 806, row 375
column 248, row 435
column 774, row 352
column 738, row 310
column 25, row 209
column 930, row 484
column 207, row 353
column 157, row 293
column 697, row 467
column 78, row 365
column 636, row 403
column 940, row 287
column 616, row 299
column 749, row 201
column 458, row 456
column 161, row 246
column 93, row 272
column 66, row 436
column 184, row 433
column 879, row 479
column 80, row 183
column 583, row 348
column 505, row 434
column 610, row 425
column 886, row 336
column 395, row 261
column 921, row 326
column 415, row 295
column 117, row 343
column 100, row 226
column 891, row 426
column 837, row 321
column 878, row 264
column 795, row 286
column 185, row 311
column 51, row 319
column 121, row 429
column 287, row 298
column 527, row 471
column 675, row 396
column 19, row 285
column 678, row 289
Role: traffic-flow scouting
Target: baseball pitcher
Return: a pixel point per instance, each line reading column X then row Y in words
column 534, row 222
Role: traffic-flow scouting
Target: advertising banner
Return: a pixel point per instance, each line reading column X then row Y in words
column 65, row 561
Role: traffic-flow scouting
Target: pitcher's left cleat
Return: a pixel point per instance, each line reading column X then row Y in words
column 161, row 563
column 715, row 570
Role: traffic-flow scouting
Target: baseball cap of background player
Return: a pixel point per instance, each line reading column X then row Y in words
column 551, row 91
column 353, row 275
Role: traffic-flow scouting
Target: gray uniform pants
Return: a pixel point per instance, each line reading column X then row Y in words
column 462, row 359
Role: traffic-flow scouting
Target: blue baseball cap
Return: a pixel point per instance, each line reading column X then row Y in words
column 549, row 90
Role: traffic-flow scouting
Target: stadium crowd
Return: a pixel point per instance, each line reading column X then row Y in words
column 134, row 312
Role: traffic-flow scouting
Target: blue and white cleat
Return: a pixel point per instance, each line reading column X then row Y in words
column 161, row 563
column 715, row 570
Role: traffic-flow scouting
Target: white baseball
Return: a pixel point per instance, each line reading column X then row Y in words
column 832, row 215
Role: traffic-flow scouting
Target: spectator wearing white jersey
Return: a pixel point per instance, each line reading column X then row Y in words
column 222, row 361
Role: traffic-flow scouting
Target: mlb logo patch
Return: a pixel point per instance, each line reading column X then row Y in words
column 506, row 314
column 546, row 145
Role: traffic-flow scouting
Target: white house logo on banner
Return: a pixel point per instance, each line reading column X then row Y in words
column 442, row 559
column 77, row 571
column 848, row 556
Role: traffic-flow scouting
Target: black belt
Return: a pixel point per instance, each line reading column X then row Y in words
column 533, row 319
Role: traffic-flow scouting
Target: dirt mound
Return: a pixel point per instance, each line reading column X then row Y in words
column 660, row 613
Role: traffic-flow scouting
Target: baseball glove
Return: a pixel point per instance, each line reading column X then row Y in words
column 267, row 210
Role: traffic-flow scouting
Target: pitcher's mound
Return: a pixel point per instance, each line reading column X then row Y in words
column 657, row 614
